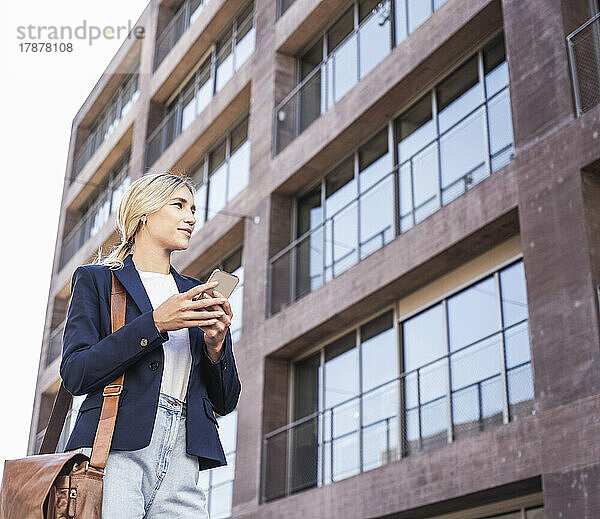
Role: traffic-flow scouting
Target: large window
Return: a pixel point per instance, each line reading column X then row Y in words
column 387, row 390
column 98, row 208
column 346, row 52
column 455, row 135
column 234, row 265
column 222, row 173
column 449, row 140
column 211, row 73
column 186, row 15
column 218, row 482
column 107, row 121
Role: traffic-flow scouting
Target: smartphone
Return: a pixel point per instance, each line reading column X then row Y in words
column 227, row 282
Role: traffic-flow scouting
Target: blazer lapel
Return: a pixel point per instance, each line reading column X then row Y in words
column 132, row 282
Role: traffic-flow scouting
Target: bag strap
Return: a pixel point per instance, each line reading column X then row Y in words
column 110, row 404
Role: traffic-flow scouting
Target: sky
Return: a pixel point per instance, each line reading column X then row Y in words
column 41, row 93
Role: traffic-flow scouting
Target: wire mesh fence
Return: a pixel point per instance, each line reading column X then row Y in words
column 584, row 56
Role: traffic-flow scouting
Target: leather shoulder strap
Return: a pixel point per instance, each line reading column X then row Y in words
column 110, row 404
column 108, row 416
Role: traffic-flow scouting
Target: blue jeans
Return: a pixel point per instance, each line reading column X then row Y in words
column 157, row 481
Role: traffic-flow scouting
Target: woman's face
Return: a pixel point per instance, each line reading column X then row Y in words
column 167, row 228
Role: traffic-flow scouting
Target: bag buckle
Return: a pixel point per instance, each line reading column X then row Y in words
column 111, row 386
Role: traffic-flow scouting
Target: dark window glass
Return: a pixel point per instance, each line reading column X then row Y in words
column 342, row 28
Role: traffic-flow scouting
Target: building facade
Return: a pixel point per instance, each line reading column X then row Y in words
column 409, row 191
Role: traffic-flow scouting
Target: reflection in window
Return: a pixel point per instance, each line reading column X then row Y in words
column 217, row 483
column 221, row 174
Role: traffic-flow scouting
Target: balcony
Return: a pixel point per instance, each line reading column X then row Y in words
column 449, row 153
column 55, row 344
column 97, row 214
column 584, row 59
column 385, row 26
column 217, row 68
column 454, row 396
column 184, row 17
column 105, row 124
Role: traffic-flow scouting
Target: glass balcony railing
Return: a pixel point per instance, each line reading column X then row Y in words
column 106, row 123
column 584, row 59
column 96, row 215
column 184, row 17
column 55, row 344
column 329, row 81
column 387, row 25
column 435, row 174
column 209, row 79
column 421, row 409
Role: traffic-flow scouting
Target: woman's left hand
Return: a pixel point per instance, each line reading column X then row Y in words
column 214, row 334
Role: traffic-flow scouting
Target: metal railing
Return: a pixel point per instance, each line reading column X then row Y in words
column 171, row 125
column 107, row 122
column 55, row 344
column 420, row 409
column 323, row 87
column 95, row 217
column 583, row 45
column 340, row 240
column 184, row 17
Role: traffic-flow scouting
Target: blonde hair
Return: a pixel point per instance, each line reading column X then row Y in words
column 144, row 196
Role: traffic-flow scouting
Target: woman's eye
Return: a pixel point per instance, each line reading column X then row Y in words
column 178, row 203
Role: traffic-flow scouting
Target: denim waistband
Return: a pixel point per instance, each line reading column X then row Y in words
column 172, row 404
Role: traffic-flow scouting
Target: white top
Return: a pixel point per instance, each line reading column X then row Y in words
column 178, row 357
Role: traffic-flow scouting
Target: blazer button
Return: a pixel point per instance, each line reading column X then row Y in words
column 144, row 342
column 154, row 365
column 224, row 365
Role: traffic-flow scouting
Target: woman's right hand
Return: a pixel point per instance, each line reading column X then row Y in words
column 180, row 311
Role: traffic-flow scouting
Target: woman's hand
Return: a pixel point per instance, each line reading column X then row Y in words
column 180, row 311
column 214, row 334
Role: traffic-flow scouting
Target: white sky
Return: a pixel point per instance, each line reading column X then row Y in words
column 40, row 95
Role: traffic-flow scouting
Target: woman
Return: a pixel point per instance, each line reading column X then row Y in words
column 176, row 354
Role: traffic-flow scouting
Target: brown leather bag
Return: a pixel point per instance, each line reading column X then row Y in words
column 65, row 485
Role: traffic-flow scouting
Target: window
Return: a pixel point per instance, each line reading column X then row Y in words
column 218, row 482
column 341, row 385
column 233, row 264
column 97, row 210
column 211, row 73
column 446, row 142
column 386, row 390
column 454, row 136
column 222, row 173
column 185, row 16
column 107, row 121
column 345, row 53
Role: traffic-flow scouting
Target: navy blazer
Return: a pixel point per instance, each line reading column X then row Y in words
column 92, row 357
